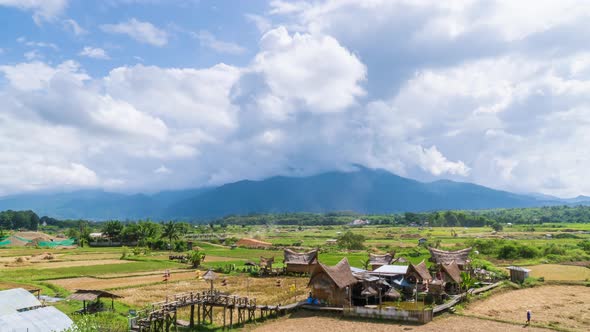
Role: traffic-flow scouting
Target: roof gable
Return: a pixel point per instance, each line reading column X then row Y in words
column 460, row 257
column 340, row 273
column 308, row 258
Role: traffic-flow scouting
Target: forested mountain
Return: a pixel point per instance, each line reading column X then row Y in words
column 363, row 191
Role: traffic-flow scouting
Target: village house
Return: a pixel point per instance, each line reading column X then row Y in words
column 332, row 284
column 418, row 277
column 300, row 262
column 450, row 277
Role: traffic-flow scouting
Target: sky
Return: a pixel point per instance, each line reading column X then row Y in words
column 150, row 95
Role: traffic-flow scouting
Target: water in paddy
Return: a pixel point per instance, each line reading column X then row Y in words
column 404, row 305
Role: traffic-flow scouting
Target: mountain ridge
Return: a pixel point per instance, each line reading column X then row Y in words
column 364, row 191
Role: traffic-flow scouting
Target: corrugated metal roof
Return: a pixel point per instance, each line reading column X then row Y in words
column 518, row 268
column 391, row 269
column 46, row 319
column 12, row 300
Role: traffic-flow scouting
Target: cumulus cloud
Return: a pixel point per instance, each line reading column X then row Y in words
column 472, row 91
column 94, row 52
column 143, row 32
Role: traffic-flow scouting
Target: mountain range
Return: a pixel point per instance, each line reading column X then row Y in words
column 364, row 191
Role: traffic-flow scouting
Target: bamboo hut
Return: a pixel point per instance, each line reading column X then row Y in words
column 460, row 257
column 377, row 261
column 332, row 284
column 300, row 262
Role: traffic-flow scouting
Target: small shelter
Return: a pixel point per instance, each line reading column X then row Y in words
column 418, row 276
column 518, row 274
column 332, row 284
column 460, row 257
column 93, row 296
column 300, row 262
column 266, row 264
column 376, row 261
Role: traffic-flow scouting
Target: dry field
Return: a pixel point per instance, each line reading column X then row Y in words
column 126, row 281
column 263, row 289
column 566, row 307
column 60, row 264
column 560, row 272
column 307, row 321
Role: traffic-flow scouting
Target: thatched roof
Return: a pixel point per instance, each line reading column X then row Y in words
column 210, row 275
column 91, row 295
column 304, row 258
column 393, row 293
column 461, row 257
column 369, row 291
column 453, row 271
column 421, row 270
column 380, row 259
column 264, row 262
column 340, row 273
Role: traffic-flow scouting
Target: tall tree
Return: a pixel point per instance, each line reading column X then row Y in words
column 171, row 231
column 112, row 229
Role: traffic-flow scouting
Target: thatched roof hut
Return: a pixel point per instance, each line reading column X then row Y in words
column 330, row 283
column 460, row 257
column 376, row 261
column 418, row 274
column 451, row 272
column 300, row 262
column 392, row 293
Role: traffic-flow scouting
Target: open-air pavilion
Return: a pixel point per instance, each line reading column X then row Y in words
column 93, row 296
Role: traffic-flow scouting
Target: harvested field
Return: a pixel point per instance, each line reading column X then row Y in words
column 312, row 321
column 54, row 265
column 560, row 272
column 99, row 283
column 263, row 289
column 560, row 306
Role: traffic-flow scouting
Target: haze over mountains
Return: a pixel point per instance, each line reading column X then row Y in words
column 362, row 191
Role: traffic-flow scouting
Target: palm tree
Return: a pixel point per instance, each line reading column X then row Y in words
column 171, row 231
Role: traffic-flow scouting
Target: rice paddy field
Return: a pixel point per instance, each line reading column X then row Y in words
column 139, row 279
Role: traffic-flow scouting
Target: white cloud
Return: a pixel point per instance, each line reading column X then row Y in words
column 32, row 55
column 31, row 43
column 315, row 71
column 73, row 27
column 262, row 23
column 162, row 170
column 94, row 52
column 210, row 41
column 143, row 32
column 43, row 10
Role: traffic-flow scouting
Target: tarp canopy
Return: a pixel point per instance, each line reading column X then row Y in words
column 46, row 319
column 13, row 300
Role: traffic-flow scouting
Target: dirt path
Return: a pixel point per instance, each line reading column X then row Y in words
column 307, row 321
column 560, row 306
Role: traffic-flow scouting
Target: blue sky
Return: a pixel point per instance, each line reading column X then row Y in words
column 148, row 95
